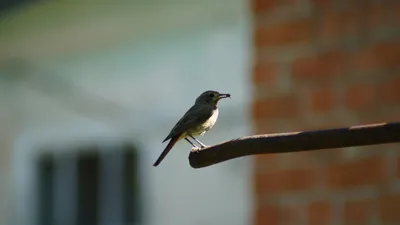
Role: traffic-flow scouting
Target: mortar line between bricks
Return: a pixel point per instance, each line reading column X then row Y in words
column 283, row 14
column 287, row 53
column 392, row 155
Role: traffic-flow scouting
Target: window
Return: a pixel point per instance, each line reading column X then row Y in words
column 88, row 186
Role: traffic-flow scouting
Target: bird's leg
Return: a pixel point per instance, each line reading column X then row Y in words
column 201, row 144
column 195, row 148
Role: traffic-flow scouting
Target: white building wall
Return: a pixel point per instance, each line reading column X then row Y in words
column 137, row 91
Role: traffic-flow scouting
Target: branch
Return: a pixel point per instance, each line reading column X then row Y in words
column 296, row 141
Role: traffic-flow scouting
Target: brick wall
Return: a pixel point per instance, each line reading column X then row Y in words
column 321, row 64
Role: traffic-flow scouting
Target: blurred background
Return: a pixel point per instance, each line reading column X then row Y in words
column 89, row 89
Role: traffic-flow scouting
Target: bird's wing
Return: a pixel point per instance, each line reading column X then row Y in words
column 196, row 115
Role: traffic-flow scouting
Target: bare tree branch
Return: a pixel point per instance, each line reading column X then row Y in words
column 296, row 141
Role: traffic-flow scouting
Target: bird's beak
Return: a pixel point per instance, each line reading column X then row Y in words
column 224, row 96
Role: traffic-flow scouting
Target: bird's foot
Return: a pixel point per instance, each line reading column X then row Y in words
column 203, row 146
column 196, row 149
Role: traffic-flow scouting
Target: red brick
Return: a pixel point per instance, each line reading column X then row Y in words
column 389, row 92
column 263, row 5
column 384, row 55
column 362, row 16
column 319, row 66
column 267, row 215
column 264, row 73
column 322, row 100
column 389, row 206
column 265, row 162
column 269, row 128
column 353, row 174
column 319, row 213
column 285, row 180
column 358, row 211
column 280, row 214
column 297, row 160
column 360, row 96
column 265, row 158
column 330, row 124
column 275, row 107
column 321, row 3
column 295, row 32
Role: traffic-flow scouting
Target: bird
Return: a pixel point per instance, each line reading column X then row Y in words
column 199, row 119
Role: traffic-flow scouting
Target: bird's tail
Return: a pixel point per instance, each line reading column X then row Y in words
column 171, row 143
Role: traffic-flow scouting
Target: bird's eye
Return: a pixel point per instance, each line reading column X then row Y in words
column 211, row 95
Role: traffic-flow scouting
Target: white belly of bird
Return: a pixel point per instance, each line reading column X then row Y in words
column 211, row 121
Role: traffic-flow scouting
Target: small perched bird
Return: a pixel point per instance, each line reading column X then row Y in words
column 200, row 118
